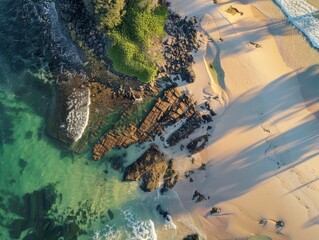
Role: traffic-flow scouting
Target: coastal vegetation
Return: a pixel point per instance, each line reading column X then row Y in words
column 133, row 26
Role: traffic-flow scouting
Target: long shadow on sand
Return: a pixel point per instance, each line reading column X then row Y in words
column 272, row 152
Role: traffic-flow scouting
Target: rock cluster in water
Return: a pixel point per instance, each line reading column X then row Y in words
column 149, row 168
column 168, row 110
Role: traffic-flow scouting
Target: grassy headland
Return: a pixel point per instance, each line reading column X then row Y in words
column 133, row 26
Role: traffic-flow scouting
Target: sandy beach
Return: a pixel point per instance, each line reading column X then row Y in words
column 262, row 159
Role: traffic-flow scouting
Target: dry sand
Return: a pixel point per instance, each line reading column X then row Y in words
column 262, row 160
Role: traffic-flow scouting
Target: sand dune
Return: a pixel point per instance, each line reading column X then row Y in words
column 262, row 161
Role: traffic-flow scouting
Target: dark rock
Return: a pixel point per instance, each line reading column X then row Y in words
column 28, row 134
column 280, row 224
column 185, row 130
column 199, row 197
column 150, row 168
column 263, row 221
column 179, row 46
column 22, row 165
column 191, row 237
column 170, row 178
column 163, row 213
column 207, row 118
column 168, row 110
column 202, row 167
column 110, row 213
column 214, row 210
column 197, row 144
column 188, row 173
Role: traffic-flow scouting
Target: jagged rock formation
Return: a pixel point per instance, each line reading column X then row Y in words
column 169, row 109
column 185, row 130
column 182, row 40
column 83, row 26
column 197, row 144
column 149, row 168
column 170, row 177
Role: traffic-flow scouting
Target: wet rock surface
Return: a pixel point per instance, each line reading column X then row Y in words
column 168, row 110
column 162, row 212
column 149, row 168
column 170, row 178
column 185, row 130
column 197, row 144
column 82, row 24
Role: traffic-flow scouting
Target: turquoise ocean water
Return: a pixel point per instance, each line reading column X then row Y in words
column 98, row 203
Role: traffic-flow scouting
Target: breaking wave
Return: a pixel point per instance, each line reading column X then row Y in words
column 304, row 16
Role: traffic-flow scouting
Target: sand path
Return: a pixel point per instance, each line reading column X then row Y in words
column 263, row 158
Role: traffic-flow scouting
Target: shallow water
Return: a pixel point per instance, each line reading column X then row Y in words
column 99, row 203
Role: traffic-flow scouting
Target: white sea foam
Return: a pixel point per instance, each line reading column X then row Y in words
column 59, row 38
column 109, row 232
column 78, row 113
column 302, row 15
column 140, row 229
column 132, row 229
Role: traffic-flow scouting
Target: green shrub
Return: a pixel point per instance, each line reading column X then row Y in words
column 109, row 12
column 132, row 28
column 128, row 59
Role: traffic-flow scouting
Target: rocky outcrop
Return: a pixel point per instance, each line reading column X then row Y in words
column 83, row 26
column 168, row 110
column 179, row 45
column 185, row 130
column 170, row 178
column 149, row 168
column 71, row 111
column 197, row 144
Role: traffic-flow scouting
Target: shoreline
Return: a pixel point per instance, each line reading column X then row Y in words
column 296, row 24
column 263, row 171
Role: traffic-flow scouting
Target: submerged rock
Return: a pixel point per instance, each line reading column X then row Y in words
column 149, row 168
column 33, row 213
column 163, row 213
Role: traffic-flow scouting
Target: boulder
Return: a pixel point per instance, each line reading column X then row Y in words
column 199, row 197
column 198, row 144
column 191, row 237
column 149, row 168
